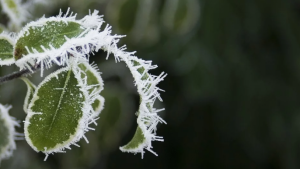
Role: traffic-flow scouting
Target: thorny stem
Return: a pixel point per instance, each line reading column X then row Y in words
column 19, row 74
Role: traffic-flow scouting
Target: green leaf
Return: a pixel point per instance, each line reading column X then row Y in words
column 137, row 142
column 7, row 133
column 147, row 115
column 30, row 91
column 93, row 79
column 6, row 49
column 50, row 33
column 55, row 116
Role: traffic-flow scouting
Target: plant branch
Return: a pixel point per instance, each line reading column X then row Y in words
column 19, row 74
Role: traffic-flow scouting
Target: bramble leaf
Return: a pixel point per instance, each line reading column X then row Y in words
column 50, row 34
column 30, row 91
column 147, row 115
column 6, row 49
column 95, row 81
column 7, row 133
column 55, row 39
column 60, row 110
column 55, row 114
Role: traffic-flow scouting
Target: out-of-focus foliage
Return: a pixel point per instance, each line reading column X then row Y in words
column 232, row 90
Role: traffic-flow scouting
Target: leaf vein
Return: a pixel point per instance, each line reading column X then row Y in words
column 61, row 97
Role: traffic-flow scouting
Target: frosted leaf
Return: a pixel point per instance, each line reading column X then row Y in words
column 60, row 111
column 6, row 51
column 94, row 80
column 149, row 92
column 7, row 133
column 55, row 39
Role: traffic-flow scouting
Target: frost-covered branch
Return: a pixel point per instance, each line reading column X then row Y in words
column 69, row 98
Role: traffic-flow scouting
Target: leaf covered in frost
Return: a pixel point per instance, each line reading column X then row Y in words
column 50, row 34
column 7, row 133
column 55, row 39
column 147, row 114
column 6, row 50
column 30, row 91
column 94, row 80
column 60, row 111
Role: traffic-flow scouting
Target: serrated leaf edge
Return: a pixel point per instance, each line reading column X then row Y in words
column 11, row 123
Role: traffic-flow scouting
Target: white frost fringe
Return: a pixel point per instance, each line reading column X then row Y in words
column 10, row 123
column 94, row 39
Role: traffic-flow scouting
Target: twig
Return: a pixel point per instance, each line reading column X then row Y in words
column 18, row 74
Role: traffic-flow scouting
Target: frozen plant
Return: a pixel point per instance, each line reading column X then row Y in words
column 62, row 107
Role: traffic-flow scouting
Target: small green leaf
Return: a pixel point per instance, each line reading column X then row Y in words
column 30, row 91
column 137, row 143
column 7, row 133
column 147, row 115
column 49, row 34
column 6, row 49
column 93, row 79
column 55, row 114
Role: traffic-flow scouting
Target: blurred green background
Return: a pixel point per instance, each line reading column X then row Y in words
column 232, row 90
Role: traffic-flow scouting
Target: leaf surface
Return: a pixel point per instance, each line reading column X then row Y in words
column 55, row 112
column 95, row 81
column 51, row 33
column 136, row 143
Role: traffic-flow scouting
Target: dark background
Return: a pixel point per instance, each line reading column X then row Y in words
column 232, row 90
